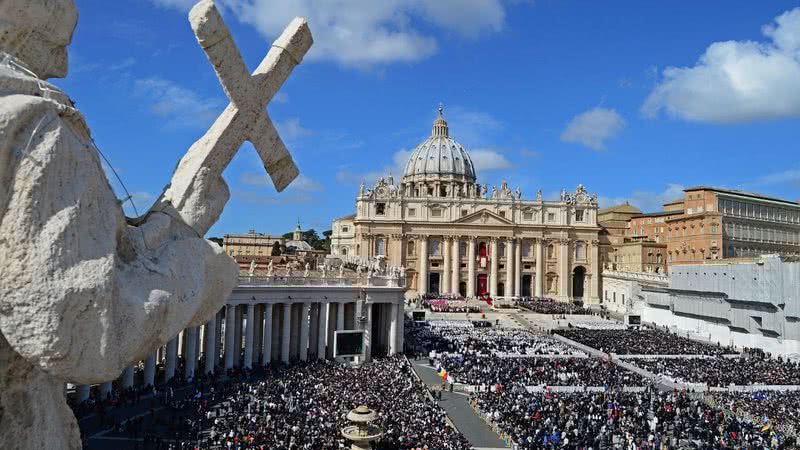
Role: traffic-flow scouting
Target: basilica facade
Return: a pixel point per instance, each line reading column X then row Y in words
column 454, row 235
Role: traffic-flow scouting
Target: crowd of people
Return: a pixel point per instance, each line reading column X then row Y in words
column 304, row 406
column 776, row 409
column 645, row 341
column 625, row 420
column 547, row 305
column 720, row 371
column 450, row 305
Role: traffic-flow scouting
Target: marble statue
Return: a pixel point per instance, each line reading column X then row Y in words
column 307, row 268
column 518, row 192
column 323, row 269
column 341, row 270
column 358, row 271
column 252, row 270
column 288, row 271
column 539, row 195
column 484, row 189
column 85, row 291
column 494, row 191
column 269, row 268
column 402, row 271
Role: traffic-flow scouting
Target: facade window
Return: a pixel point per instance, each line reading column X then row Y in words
column 527, row 249
column 501, row 249
column 579, row 215
column 551, row 251
column 411, row 248
column 345, row 229
column 464, row 212
column 527, row 216
column 380, row 247
column 435, row 248
column 503, row 214
column 436, row 212
column 412, row 212
column 580, row 250
column 380, row 209
column 551, row 217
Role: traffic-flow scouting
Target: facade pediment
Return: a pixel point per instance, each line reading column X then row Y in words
column 484, row 217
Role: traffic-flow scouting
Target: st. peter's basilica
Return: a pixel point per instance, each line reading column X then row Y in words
column 456, row 236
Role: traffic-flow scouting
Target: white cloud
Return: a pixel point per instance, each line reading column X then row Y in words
column 736, row 81
column 291, row 129
column 592, row 128
column 528, row 153
column 122, row 65
column 645, row 200
column 280, row 97
column 141, row 200
column 396, row 169
column 790, row 176
column 368, row 32
column 485, row 160
column 179, row 106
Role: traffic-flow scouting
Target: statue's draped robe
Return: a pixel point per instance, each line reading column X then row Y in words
column 83, row 294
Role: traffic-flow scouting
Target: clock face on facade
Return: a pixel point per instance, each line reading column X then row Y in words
column 381, row 191
column 580, row 198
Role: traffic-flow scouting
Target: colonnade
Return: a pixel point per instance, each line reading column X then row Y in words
column 513, row 266
column 245, row 335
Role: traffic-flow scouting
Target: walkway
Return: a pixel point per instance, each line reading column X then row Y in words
column 479, row 434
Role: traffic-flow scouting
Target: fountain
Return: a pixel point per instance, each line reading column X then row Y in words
column 361, row 433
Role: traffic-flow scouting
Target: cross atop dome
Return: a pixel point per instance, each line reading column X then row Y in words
column 440, row 125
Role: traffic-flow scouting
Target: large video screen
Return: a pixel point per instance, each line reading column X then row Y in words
column 418, row 315
column 349, row 343
column 634, row 320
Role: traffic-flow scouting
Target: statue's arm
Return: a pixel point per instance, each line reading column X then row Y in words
column 82, row 293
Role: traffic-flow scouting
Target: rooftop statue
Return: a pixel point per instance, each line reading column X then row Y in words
column 84, row 291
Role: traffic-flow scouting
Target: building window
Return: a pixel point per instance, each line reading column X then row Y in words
column 411, row 246
column 436, row 248
column 551, row 251
column 345, row 229
column 464, row 212
column 380, row 209
column 580, row 250
column 579, row 215
column 436, row 212
column 551, row 217
column 501, row 249
column 412, row 212
column 527, row 216
column 503, row 214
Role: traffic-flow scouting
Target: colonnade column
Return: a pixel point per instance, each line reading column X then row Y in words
column 210, row 345
column 444, row 280
column 340, row 316
column 493, row 274
column 248, row 336
column 172, row 356
column 563, row 269
column 230, row 334
column 422, row 262
column 509, row 288
column 322, row 333
column 456, row 265
column 539, row 283
column 368, row 333
column 127, row 378
column 266, row 347
column 82, row 391
column 393, row 330
column 304, row 331
column 150, row 370
column 190, row 358
column 105, row 388
column 471, row 268
column 287, row 332
column 518, row 268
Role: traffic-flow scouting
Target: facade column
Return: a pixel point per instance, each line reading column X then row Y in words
column 595, row 280
column 368, row 333
column 237, row 335
column 304, row 331
column 172, row 356
column 258, row 328
column 538, row 288
column 230, row 335
column 563, row 269
column 518, row 268
column 509, row 290
column 210, row 350
column 322, row 333
column 266, row 346
column 105, row 388
column 248, row 336
column 127, row 378
column 150, row 370
column 190, row 357
column 287, row 332
column 393, row 325
column 471, row 267
column 444, row 280
column 422, row 263
column 456, row 266
column 340, row 316
column 401, row 323
column 493, row 274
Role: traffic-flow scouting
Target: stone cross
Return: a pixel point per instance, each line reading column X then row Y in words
column 245, row 118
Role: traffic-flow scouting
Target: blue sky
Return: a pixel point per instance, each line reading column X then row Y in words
column 635, row 100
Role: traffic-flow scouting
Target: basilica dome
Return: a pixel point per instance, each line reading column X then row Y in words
column 439, row 157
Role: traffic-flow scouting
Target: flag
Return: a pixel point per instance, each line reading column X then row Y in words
column 765, row 428
column 442, row 373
